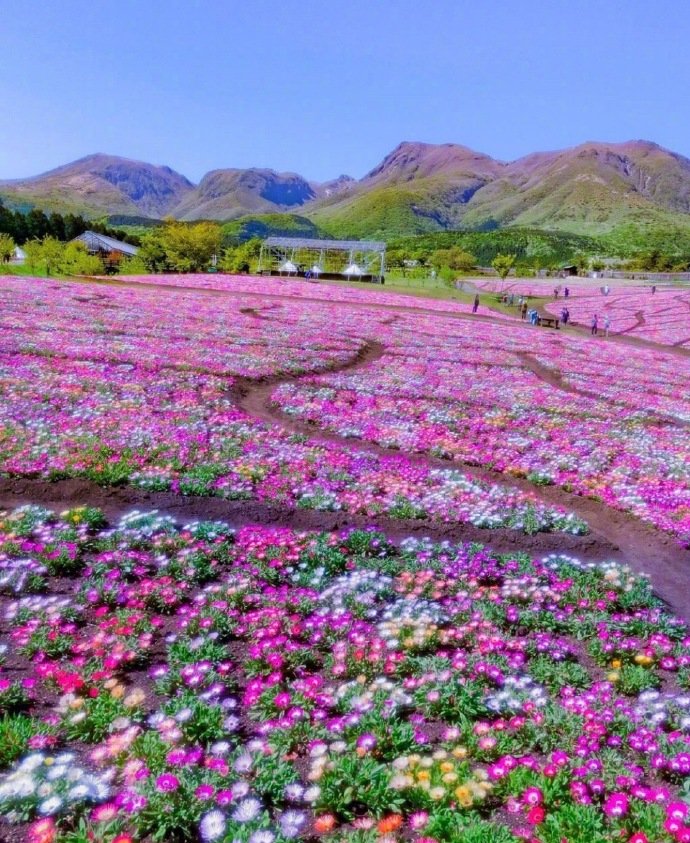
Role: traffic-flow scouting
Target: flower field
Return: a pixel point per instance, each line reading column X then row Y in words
column 606, row 421
column 148, row 400
column 172, row 682
column 301, row 652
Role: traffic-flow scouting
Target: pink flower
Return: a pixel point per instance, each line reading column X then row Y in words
column 536, row 815
column 533, row 796
column 167, row 783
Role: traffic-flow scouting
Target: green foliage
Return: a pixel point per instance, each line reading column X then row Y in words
column 93, row 721
column 180, row 246
column 15, row 732
column 355, row 785
column 533, row 247
column 503, row 264
column 634, row 679
column 6, row 247
column 264, row 225
column 453, row 258
column 56, row 258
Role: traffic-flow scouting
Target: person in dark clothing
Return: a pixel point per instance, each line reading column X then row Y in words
column 566, row 292
column 523, row 310
column 475, row 306
column 595, row 325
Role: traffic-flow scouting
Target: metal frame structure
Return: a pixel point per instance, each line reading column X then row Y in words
column 98, row 243
column 297, row 256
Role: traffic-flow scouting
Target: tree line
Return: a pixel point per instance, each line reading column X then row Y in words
column 36, row 224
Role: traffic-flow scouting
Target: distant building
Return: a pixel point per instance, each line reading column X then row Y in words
column 99, row 244
column 111, row 252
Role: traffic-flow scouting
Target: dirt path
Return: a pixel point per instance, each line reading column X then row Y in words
column 614, row 534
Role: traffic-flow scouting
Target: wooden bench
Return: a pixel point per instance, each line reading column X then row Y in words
column 549, row 321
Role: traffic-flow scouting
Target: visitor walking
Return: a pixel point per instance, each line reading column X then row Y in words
column 595, row 325
column 475, row 306
column 607, row 324
column 523, row 310
column 566, row 292
column 566, row 316
column 653, row 289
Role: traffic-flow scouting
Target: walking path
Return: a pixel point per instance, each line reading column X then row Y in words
column 614, row 534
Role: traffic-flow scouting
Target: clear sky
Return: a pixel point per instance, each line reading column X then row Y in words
column 324, row 87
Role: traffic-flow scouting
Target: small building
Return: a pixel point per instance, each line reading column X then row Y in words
column 100, row 244
column 111, row 251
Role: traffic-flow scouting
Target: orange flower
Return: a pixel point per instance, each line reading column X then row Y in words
column 390, row 823
column 326, row 822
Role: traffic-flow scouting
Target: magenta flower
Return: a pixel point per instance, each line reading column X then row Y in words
column 166, row 783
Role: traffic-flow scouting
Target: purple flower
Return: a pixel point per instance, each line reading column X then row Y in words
column 167, row 783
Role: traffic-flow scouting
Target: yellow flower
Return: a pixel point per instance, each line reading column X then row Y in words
column 460, row 752
column 463, row 795
column 446, row 767
column 614, row 676
column 616, row 663
column 423, row 775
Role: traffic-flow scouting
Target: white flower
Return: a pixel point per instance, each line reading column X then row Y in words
column 311, row 794
column 212, row 825
column 262, row 837
column 291, row 822
column 50, row 806
column 56, row 772
column 247, row 810
column 79, row 791
column 220, row 748
column 244, row 762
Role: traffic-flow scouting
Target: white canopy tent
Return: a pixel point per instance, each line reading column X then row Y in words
column 364, row 260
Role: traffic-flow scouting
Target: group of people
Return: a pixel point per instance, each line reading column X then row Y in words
column 594, row 325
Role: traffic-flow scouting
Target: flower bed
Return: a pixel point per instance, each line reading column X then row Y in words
column 608, row 422
column 168, row 682
column 147, row 401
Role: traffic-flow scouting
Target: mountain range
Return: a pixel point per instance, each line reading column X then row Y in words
column 593, row 188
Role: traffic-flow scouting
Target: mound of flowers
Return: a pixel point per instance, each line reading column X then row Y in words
column 605, row 421
column 148, row 400
column 182, row 682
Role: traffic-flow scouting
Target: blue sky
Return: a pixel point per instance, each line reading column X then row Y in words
column 324, row 88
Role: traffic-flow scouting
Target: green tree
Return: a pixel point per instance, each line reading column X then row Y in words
column 51, row 254
column 7, row 247
column 448, row 276
column 454, row 258
column 32, row 249
column 75, row 260
column 190, row 247
column 242, row 257
column 152, row 252
column 503, row 264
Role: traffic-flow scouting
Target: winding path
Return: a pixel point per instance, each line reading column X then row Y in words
column 614, row 534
